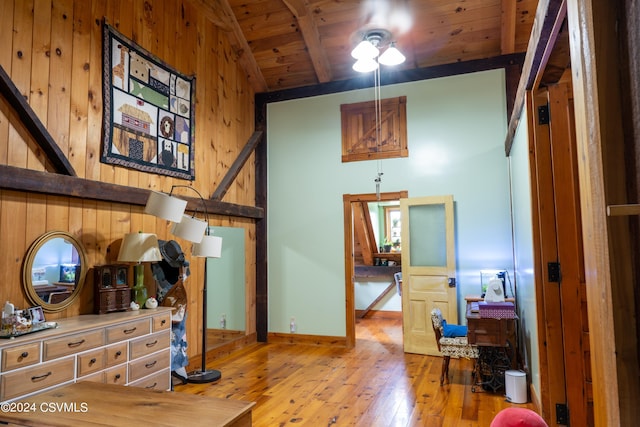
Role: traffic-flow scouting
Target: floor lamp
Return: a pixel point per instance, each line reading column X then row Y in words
column 190, row 228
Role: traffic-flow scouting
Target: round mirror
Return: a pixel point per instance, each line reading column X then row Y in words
column 54, row 270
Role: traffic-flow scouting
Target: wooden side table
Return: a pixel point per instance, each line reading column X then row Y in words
column 497, row 343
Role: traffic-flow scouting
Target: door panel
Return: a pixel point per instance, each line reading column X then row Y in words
column 428, row 263
column 562, row 319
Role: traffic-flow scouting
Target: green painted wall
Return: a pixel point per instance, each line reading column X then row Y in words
column 456, row 131
column 523, row 242
column 225, row 281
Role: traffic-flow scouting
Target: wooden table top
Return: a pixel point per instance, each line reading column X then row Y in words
column 96, row 404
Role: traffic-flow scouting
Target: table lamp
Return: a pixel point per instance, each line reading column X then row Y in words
column 139, row 247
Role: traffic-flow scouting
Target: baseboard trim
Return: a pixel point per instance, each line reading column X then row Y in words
column 222, row 350
column 320, row 340
column 534, row 398
column 383, row 314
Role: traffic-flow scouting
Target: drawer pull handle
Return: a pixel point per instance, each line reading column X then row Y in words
column 163, row 322
column 118, row 354
column 152, row 385
column 92, row 361
column 24, row 354
column 151, row 365
column 40, row 377
column 151, row 344
column 130, row 331
column 117, row 377
column 75, row 344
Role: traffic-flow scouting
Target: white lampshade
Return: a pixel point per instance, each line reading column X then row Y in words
column 365, row 49
column 365, row 65
column 391, row 56
column 210, row 246
column 190, row 228
column 165, row 206
column 139, row 247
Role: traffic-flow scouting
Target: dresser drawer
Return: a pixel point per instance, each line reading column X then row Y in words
column 117, row 375
column 149, row 344
column 91, row 362
column 20, row 356
column 117, row 354
column 148, row 365
column 71, row 344
column 39, row 377
column 95, row 378
column 159, row 381
column 161, row 322
column 128, row 330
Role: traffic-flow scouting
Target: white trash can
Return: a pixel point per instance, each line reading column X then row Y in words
column 515, row 384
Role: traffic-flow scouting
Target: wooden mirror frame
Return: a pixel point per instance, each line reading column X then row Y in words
column 27, row 271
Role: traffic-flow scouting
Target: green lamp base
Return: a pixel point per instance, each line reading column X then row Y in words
column 140, row 295
column 139, row 290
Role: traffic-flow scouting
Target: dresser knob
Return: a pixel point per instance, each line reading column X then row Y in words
column 24, row 354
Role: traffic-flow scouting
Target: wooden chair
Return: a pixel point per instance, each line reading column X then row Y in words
column 452, row 347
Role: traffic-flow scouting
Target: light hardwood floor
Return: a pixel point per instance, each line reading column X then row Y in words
column 373, row 384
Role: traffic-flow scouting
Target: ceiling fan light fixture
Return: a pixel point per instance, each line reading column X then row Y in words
column 368, row 50
column 365, row 50
column 392, row 56
column 365, row 65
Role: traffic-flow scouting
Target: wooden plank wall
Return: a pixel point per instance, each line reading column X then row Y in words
column 52, row 49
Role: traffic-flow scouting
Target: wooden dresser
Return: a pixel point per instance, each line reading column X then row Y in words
column 127, row 348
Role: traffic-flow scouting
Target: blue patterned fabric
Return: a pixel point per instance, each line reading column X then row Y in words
column 179, row 357
column 166, row 277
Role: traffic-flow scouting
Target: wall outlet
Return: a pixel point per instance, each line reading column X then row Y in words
column 223, row 321
column 292, row 325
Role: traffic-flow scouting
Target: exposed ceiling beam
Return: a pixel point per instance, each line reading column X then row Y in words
column 546, row 27
column 19, row 179
column 237, row 165
column 33, row 124
column 220, row 14
column 508, row 35
column 401, row 76
column 311, row 35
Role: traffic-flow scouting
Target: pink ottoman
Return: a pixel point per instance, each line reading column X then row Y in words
column 518, row 417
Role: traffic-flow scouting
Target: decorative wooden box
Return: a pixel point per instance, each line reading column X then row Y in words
column 111, row 288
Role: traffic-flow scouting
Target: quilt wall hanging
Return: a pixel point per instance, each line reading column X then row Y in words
column 148, row 110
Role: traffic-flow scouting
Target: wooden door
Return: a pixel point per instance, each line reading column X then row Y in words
column 428, row 269
column 560, row 282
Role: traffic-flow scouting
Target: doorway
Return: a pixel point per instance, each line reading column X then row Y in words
column 360, row 243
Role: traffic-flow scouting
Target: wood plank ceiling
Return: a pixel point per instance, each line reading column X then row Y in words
column 286, row 44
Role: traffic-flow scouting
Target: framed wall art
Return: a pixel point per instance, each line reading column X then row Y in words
column 148, row 110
